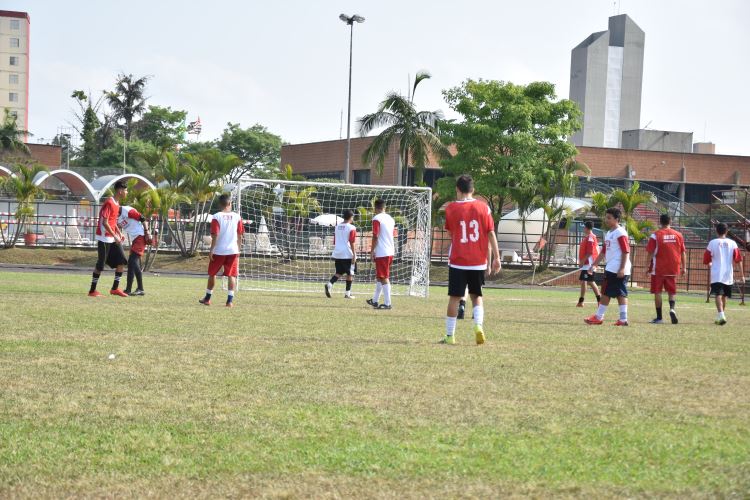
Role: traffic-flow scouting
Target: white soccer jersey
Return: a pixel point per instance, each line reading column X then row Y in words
column 616, row 243
column 226, row 226
column 344, row 234
column 129, row 222
column 384, row 227
column 722, row 253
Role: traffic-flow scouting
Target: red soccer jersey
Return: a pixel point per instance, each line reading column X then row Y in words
column 667, row 245
column 109, row 212
column 470, row 223
column 589, row 246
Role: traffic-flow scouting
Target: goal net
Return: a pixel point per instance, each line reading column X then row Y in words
column 289, row 228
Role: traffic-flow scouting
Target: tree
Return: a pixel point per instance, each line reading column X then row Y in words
column 629, row 199
column 11, row 138
column 128, row 101
column 87, row 125
column 509, row 135
column 162, row 127
column 259, row 150
column 22, row 188
column 417, row 134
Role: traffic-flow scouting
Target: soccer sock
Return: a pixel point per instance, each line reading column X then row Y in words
column 116, row 283
column 139, row 276
column 450, row 325
column 230, row 296
column 671, row 305
column 658, row 312
column 208, row 294
column 580, row 300
column 387, row 290
column 348, row 285
column 600, row 311
column 129, row 282
column 378, row 289
column 598, row 298
column 478, row 315
column 333, row 279
column 94, row 281
column 462, row 303
column 624, row 312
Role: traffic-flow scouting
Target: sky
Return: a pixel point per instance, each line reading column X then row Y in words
column 284, row 64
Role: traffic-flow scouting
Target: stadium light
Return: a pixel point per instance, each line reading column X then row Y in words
column 350, row 20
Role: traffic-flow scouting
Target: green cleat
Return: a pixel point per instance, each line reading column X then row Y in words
column 449, row 340
column 479, row 334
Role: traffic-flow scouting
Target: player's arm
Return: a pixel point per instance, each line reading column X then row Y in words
column 375, row 231
column 625, row 249
column 683, row 262
column 240, row 234
column 352, row 244
column 104, row 218
column 214, row 238
column 494, row 251
column 738, row 260
column 598, row 259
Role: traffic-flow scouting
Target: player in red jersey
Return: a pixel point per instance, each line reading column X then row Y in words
column 666, row 256
column 587, row 254
column 109, row 241
column 472, row 230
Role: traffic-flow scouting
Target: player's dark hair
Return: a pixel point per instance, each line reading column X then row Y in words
column 721, row 228
column 465, row 184
column 347, row 215
column 120, row 185
column 588, row 224
column 379, row 204
column 614, row 212
column 665, row 219
column 224, row 200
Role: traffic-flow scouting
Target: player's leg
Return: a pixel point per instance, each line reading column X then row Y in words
column 341, row 269
column 231, row 271
column 622, row 301
column 656, row 289
column 670, row 286
column 131, row 272
column 595, row 289
column 475, row 282
column 582, row 295
column 608, row 291
column 375, row 300
column 213, row 268
column 385, row 273
column 116, row 258
column 231, row 284
column 98, row 268
column 349, row 280
column 139, row 277
column 456, row 289
column 462, row 305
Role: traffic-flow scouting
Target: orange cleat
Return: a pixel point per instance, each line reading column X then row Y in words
column 119, row 293
column 593, row 320
column 96, row 293
column 620, row 322
column 580, row 304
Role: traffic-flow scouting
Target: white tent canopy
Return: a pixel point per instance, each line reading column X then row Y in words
column 327, row 220
column 509, row 227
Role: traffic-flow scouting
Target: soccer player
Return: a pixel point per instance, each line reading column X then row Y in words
column 382, row 249
column 721, row 254
column 588, row 251
column 666, row 256
column 109, row 241
column 472, row 231
column 133, row 223
column 616, row 251
column 226, row 239
column 344, row 254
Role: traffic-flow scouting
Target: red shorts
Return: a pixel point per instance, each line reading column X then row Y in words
column 659, row 283
column 383, row 267
column 138, row 245
column 230, row 263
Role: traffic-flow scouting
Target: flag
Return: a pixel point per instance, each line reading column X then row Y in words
column 194, row 127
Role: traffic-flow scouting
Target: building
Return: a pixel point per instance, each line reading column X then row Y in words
column 657, row 140
column 14, row 65
column 606, row 77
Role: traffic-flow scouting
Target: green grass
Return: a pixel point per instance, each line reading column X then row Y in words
column 301, row 396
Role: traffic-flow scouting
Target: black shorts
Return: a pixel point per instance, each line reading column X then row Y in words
column 614, row 286
column 585, row 276
column 721, row 289
column 458, row 279
column 345, row 266
column 110, row 253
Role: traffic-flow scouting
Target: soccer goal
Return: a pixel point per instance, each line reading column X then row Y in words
column 289, row 228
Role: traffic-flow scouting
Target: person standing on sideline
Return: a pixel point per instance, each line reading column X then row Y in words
column 616, row 251
column 226, row 240
column 721, row 254
column 382, row 249
column 133, row 223
column 666, row 257
column 588, row 251
column 469, row 222
column 344, row 254
column 109, row 241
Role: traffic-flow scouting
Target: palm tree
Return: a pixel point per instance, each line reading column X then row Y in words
column 127, row 100
column 415, row 131
column 11, row 137
column 21, row 186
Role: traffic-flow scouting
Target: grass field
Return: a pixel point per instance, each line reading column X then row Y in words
column 302, row 396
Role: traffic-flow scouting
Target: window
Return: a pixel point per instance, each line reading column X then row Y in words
column 361, row 177
column 13, row 61
column 15, row 43
column 13, row 79
column 15, row 24
column 13, row 96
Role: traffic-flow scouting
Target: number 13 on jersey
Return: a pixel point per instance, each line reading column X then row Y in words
column 473, row 231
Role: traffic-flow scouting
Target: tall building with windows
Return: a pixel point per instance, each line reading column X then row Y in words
column 606, row 77
column 14, row 65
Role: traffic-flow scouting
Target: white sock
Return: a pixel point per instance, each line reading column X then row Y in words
column 478, row 315
column 600, row 311
column 209, row 292
column 230, row 293
column 378, row 289
column 387, row 291
column 450, row 325
column 624, row 312
column 721, row 315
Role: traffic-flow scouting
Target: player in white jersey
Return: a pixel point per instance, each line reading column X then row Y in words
column 721, row 254
column 616, row 252
column 344, row 254
column 131, row 222
column 382, row 249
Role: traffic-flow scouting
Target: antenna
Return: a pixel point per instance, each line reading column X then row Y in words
column 646, row 126
column 341, row 123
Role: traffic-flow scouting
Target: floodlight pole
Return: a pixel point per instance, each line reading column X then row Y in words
column 350, row 20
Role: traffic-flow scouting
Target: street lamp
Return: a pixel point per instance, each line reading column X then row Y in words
column 67, row 140
column 124, row 143
column 350, row 20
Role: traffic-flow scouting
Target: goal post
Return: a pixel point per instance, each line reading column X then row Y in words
column 289, row 228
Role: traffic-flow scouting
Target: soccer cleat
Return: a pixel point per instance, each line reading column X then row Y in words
column 673, row 316
column 580, row 304
column 118, row 292
column 230, row 304
column 372, row 303
column 348, row 296
column 96, row 293
column 448, row 340
column 328, row 287
column 479, row 334
column 205, row 302
column 721, row 321
column 620, row 322
column 593, row 320
column 384, row 306
column 127, row 290
column 656, row 321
